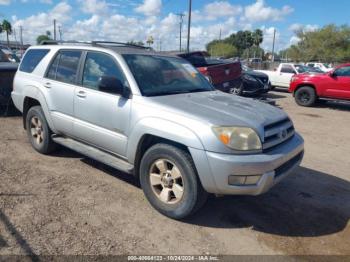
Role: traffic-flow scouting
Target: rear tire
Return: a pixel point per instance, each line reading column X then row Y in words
column 170, row 182
column 305, row 96
column 38, row 131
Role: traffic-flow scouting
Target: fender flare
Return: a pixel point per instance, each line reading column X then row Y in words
column 162, row 128
column 35, row 93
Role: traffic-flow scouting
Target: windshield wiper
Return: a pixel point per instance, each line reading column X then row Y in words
column 175, row 92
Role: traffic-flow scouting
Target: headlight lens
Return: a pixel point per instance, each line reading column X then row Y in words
column 250, row 78
column 238, row 138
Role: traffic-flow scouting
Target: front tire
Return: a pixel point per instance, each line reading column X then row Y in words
column 236, row 90
column 305, row 96
column 38, row 131
column 169, row 181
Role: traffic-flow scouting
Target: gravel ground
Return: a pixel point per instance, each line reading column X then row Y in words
column 68, row 204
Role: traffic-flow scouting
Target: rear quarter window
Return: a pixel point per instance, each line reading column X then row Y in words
column 31, row 59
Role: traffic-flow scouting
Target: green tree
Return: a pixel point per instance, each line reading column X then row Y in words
column 7, row 27
column 222, row 49
column 328, row 44
column 41, row 38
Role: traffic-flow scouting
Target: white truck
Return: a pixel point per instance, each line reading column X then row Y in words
column 282, row 75
column 324, row 67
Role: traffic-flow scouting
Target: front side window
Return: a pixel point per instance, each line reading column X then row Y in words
column 64, row 67
column 343, row 71
column 31, row 59
column 98, row 65
column 161, row 75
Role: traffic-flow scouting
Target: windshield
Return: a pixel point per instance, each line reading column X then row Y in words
column 159, row 75
column 246, row 68
column 302, row 69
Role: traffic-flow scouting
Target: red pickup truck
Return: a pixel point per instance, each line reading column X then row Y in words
column 225, row 76
column 307, row 88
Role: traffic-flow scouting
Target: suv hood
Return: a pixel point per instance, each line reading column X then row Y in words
column 221, row 109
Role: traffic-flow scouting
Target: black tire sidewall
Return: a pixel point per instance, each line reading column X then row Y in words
column 191, row 191
column 311, row 93
column 36, row 111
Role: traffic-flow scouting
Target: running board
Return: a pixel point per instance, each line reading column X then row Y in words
column 95, row 154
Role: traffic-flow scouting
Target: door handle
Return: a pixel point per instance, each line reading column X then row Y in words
column 81, row 94
column 47, row 85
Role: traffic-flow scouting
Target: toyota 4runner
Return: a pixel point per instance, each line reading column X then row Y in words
column 154, row 116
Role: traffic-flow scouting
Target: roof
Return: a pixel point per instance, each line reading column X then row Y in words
column 118, row 47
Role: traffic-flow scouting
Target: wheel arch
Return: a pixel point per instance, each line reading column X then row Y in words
column 36, row 99
column 304, row 85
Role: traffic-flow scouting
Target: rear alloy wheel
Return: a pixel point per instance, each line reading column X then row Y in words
column 38, row 131
column 305, row 96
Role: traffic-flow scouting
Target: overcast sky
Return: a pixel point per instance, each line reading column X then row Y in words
column 121, row 20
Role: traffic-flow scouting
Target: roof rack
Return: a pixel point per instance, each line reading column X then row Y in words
column 101, row 43
column 94, row 43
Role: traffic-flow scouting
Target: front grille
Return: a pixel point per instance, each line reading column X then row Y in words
column 288, row 165
column 277, row 133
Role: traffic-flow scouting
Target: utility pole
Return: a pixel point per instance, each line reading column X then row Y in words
column 60, row 32
column 54, row 29
column 189, row 25
column 181, row 15
column 273, row 45
column 21, row 35
column 220, row 35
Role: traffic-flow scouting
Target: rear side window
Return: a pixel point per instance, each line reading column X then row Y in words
column 32, row 59
column 64, row 67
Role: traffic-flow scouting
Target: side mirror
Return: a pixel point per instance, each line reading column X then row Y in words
column 332, row 74
column 113, row 85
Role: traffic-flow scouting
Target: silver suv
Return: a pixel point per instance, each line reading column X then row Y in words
column 156, row 117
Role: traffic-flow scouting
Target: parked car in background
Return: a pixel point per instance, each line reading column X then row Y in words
column 7, row 55
column 254, row 83
column 282, row 75
column 154, row 116
column 308, row 88
column 322, row 66
column 7, row 73
column 225, row 75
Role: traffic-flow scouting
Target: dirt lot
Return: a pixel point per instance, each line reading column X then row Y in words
column 67, row 204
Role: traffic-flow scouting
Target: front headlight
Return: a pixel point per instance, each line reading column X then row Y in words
column 249, row 78
column 238, row 138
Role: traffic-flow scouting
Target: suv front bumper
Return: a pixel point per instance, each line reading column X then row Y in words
column 272, row 166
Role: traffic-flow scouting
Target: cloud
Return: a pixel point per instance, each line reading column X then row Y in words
column 112, row 20
column 219, row 9
column 149, row 7
column 40, row 23
column 306, row 28
column 5, row 2
column 259, row 12
column 216, row 10
column 93, row 6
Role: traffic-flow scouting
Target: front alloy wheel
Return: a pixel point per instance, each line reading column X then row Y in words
column 170, row 182
column 166, row 181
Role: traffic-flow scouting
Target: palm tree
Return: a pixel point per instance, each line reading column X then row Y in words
column 6, row 26
column 150, row 41
column 258, row 37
